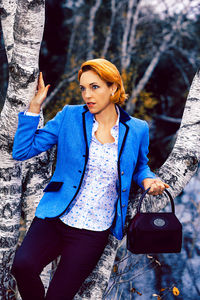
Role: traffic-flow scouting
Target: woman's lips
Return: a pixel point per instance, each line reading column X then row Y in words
column 90, row 104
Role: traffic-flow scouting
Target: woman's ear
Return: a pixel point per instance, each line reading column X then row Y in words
column 113, row 88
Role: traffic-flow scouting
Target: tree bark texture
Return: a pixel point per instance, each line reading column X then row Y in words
column 21, row 184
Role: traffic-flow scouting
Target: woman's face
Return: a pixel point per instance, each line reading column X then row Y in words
column 95, row 92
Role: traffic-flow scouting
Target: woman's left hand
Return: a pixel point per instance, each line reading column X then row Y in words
column 156, row 186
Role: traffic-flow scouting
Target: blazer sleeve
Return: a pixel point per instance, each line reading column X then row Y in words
column 142, row 169
column 30, row 141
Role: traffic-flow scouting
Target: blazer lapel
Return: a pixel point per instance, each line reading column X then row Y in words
column 87, row 126
column 123, row 130
column 122, row 137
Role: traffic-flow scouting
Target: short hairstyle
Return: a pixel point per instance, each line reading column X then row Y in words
column 107, row 72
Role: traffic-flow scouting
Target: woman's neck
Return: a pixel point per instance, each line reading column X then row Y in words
column 107, row 117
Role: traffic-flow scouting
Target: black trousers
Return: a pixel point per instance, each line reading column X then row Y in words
column 46, row 239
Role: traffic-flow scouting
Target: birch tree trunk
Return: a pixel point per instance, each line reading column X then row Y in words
column 178, row 169
column 132, row 38
column 22, row 24
column 90, row 29
column 129, row 37
column 126, row 33
column 166, row 42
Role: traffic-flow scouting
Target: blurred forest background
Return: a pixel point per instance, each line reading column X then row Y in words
column 156, row 46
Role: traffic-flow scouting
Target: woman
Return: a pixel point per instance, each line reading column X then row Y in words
column 100, row 150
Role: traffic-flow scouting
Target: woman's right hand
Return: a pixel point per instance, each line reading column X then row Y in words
column 40, row 96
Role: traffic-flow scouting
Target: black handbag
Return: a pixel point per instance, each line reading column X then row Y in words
column 154, row 232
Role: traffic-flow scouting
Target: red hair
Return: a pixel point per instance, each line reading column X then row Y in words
column 107, row 72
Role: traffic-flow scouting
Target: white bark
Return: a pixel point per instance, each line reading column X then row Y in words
column 8, row 10
column 22, row 25
column 128, row 48
column 126, row 33
column 183, row 161
column 90, row 30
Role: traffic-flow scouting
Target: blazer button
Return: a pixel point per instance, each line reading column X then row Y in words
column 122, row 173
column 123, row 205
column 84, row 155
column 124, row 190
column 79, row 171
column 75, row 186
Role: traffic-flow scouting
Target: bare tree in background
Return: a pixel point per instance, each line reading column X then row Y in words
column 90, row 29
column 168, row 38
column 139, row 35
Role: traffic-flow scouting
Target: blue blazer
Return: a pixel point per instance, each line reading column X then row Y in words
column 71, row 131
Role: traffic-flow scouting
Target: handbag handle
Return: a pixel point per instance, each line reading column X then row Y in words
column 144, row 194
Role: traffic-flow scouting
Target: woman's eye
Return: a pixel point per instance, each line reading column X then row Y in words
column 82, row 88
column 95, row 86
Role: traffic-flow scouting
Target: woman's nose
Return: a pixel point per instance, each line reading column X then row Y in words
column 87, row 93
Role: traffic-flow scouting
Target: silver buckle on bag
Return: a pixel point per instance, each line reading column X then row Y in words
column 159, row 222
